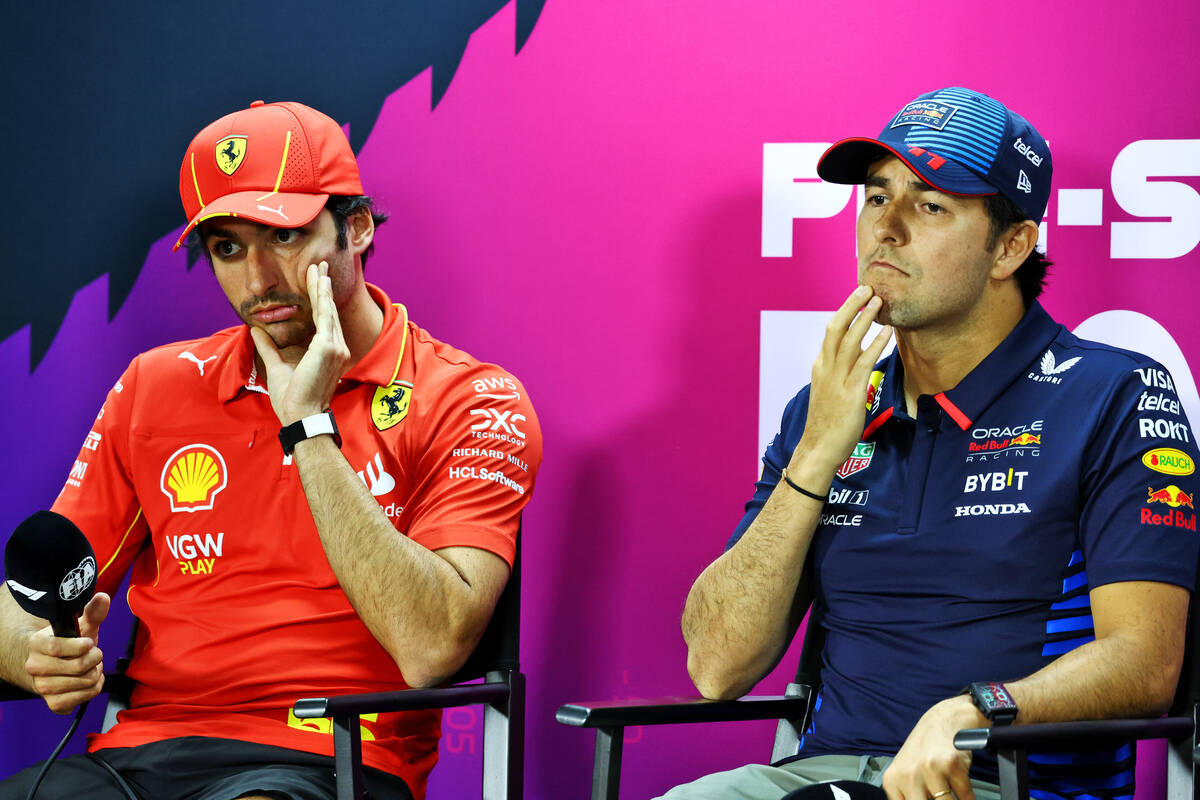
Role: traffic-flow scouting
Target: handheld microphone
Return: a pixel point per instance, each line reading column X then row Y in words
column 51, row 570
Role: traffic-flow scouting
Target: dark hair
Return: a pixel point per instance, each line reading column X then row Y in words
column 340, row 207
column 1031, row 275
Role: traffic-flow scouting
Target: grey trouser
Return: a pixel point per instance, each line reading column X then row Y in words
column 761, row 782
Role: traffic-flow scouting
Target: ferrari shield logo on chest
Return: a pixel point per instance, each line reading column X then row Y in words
column 390, row 405
column 231, row 152
column 859, row 460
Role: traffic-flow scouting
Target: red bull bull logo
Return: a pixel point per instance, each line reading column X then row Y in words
column 1172, row 495
column 1173, row 515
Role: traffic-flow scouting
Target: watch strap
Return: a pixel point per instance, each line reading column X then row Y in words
column 316, row 425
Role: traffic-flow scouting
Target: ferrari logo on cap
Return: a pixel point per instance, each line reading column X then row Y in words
column 231, row 152
column 390, row 405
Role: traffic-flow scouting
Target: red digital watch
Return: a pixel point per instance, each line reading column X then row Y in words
column 993, row 699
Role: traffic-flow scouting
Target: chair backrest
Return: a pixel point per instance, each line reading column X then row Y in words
column 808, row 671
column 499, row 649
column 807, row 684
column 1187, row 694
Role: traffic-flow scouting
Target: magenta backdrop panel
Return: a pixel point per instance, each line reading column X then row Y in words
column 590, row 214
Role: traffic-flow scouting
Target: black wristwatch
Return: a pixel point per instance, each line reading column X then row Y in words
column 993, row 699
column 316, row 425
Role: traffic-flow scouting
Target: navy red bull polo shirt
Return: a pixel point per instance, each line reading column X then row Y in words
column 961, row 545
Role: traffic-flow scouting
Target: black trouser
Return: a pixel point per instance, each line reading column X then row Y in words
column 196, row 768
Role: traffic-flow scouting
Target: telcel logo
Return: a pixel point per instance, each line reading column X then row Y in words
column 1027, row 151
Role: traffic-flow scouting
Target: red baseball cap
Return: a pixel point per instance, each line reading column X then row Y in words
column 275, row 163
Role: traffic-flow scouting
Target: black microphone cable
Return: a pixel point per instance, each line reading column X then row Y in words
column 46, row 766
column 37, row 782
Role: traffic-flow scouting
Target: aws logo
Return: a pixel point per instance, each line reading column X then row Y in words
column 230, row 152
column 390, row 405
column 193, row 477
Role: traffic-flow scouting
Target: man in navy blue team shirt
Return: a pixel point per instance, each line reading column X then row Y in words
column 1014, row 507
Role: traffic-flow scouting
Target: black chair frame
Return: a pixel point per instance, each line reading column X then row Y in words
column 502, row 693
column 1009, row 744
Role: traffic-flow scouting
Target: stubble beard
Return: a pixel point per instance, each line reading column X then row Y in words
column 297, row 331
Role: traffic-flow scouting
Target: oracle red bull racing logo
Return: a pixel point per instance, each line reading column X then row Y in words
column 1175, row 500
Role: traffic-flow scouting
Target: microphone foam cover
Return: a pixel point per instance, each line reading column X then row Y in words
column 50, row 567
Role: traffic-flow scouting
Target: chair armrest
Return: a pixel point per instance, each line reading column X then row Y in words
column 672, row 710
column 1057, row 736
column 113, row 682
column 9, row 691
column 403, row 700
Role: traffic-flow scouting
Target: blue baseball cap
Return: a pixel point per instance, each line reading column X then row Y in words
column 960, row 142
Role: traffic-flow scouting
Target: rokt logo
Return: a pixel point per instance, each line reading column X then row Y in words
column 192, row 478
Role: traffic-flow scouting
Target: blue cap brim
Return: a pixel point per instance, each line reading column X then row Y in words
column 849, row 160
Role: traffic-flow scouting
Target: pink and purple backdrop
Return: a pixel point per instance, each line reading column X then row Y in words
column 590, row 214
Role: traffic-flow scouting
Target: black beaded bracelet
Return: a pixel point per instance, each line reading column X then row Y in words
column 802, row 490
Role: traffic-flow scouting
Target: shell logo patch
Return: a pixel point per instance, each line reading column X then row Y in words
column 193, row 477
column 390, row 405
column 230, row 153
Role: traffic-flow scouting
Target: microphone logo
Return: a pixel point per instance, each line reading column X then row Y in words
column 32, row 594
column 78, row 580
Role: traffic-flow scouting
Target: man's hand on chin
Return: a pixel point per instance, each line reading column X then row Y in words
column 306, row 388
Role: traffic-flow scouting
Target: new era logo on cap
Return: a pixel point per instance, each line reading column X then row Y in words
column 1023, row 183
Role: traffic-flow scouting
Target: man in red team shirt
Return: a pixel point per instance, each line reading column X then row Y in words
column 322, row 500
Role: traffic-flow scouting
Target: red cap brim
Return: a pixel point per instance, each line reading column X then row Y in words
column 277, row 209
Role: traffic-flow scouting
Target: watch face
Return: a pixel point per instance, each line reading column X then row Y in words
column 996, row 694
column 994, row 701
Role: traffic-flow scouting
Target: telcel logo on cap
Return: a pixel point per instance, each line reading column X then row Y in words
column 1028, row 152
